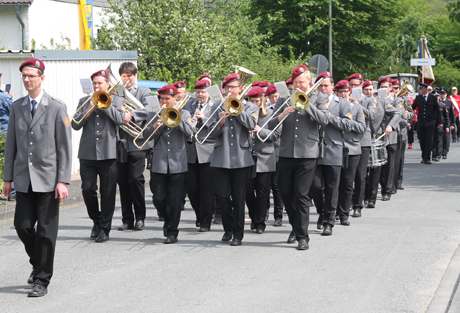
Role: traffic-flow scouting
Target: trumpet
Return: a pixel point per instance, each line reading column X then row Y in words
column 232, row 105
column 299, row 100
column 170, row 117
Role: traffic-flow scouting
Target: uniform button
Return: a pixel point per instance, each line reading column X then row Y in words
column 97, row 138
column 232, row 135
column 231, row 127
column 297, row 127
column 231, row 144
column 97, row 115
column 168, row 142
column 295, row 136
column 31, row 143
column 31, row 133
column 30, row 153
column 168, row 135
column 97, row 124
column 297, row 120
column 169, row 149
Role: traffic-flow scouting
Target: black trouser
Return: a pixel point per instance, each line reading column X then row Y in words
column 399, row 163
column 325, row 192
column 131, row 184
column 168, row 197
column 347, row 178
column 277, row 200
column 39, row 208
column 295, row 179
column 360, row 178
column 372, row 183
column 107, row 172
column 199, row 186
column 438, row 142
column 258, row 199
column 446, row 142
column 388, row 170
column 425, row 135
column 231, row 189
column 410, row 134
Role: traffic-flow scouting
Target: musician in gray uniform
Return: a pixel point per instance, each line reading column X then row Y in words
column 38, row 159
column 391, row 140
column 352, row 143
column 258, row 192
column 386, row 119
column 278, row 205
column 369, row 105
column 97, row 154
column 131, row 160
column 299, row 152
column 325, row 188
column 233, row 160
column 200, row 177
column 406, row 114
column 169, row 164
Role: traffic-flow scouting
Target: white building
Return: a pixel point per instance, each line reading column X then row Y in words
column 44, row 24
column 63, row 71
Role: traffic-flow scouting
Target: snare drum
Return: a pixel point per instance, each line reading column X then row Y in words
column 378, row 155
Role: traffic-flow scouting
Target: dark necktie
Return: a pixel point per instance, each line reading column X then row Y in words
column 34, row 107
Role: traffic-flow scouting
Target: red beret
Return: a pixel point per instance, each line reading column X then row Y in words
column 102, row 73
column 289, row 81
column 256, row 91
column 229, row 78
column 342, row 84
column 261, row 83
column 384, row 79
column 299, row 70
column 395, row 81
column 33, row 62
column 270, row 90
column 205, row 76
column 323, row 75
column 202, row 83
column 170, row 90
column 355, row 76
column 180, row 84
column 367, row 83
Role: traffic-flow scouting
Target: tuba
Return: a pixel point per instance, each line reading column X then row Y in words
column 232, row 105
column 405, row 90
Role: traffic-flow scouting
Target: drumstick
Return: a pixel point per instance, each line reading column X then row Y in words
column 380, row 137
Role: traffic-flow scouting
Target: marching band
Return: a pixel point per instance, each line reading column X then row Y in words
column 322, row 143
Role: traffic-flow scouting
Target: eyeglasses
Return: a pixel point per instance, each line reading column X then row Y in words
column 230, row 87
column 24, row 76
column 367, row 89
column 324, row 85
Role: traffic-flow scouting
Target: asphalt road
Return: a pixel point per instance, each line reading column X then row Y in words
column 403, row 256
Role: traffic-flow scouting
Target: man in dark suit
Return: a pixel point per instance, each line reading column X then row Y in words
column 38, row 159
column 428, row 119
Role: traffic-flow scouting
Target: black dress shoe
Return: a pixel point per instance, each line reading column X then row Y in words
column 170, row 239
column 345, row 221
column 31, row 278
column 37, row 291
column 327, row 230
column 365, row 203
column 428, row 162
column 227, row 236
column 291, row 238
column 302, row 245
column 260, row 230
column 444, row 157
column 94, row 232
column 125, row 226
column 102, row 237
column 278, row 222
column 356, row 212
column 235, row 242
column 319, row 225
column 139, row 225
column 371, row 205
column 386, row 197
column 197, row 224
column 400, row 188
column 203, row 229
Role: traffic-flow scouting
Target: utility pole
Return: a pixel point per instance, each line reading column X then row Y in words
column 330, row 36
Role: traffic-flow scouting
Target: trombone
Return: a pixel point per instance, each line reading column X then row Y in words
column 170, row 117
column 299, row 100
column 232, row 105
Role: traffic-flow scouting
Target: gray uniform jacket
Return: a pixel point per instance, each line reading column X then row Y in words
column 352, row 137
column 99, row 138
column 169, row 152
column 38, row 150
column 332, row 133
column 232, row 148
column 200, row 153
column 369, row 106
column 404, row 121
column 300, row 135
column 386, row 114
column 266, row 151
column 145, row 97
